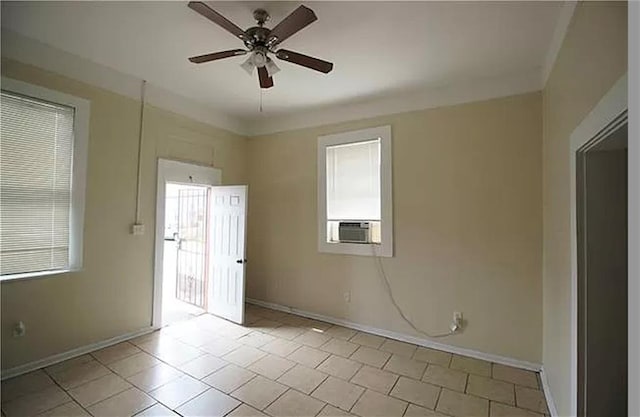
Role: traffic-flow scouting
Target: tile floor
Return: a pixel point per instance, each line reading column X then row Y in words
column 277, row 365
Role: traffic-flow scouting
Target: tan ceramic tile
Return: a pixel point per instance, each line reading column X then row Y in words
column 229, row 378
column 198, row 337
column 177, row 392
column 156, row 335
column 70, row 409
column 398, row 348
column 244, row 356
column 210, row 403
column 462, row 405
column 378, row 405
column 434, row 356
column 25, row 384
column 316, row 325
column 339, row 367
column 503, row 410
column 202, row 366
column 127, row 403
column 308, row 356
column 312, row 338
column 281, row 347
column 79, row 374
column 220, row 347
column 471, row 365
column 417, row 411
column 286, row 332
column 60, row 366
column 416, row 392
column 271, row 366
column 405, row 366
column 157, row 410
column 339, row 393
column 265, row 325
column 173, row 352
column 491, row 389
column 370, row 356
column 368, row 339
column 331, row 411
column 339, row 347
column 154, row 377
column 259, row 392
column 531, row 399
column 116, row 352
column 133, row 364
column 302, row 378
column 375, row 379
column 256, row 339
column 35, row 403
column 271, row 314
column 445, row 377
column 515, row 375
column 99, row 389
column 292, row 320
column 340, row 332
column 245, row 411
column 294, row 404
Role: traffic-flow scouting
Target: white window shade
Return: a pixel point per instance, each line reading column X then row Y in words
column 36, row 146
column 353, row 181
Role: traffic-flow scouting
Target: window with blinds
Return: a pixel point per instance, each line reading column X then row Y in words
column 36, row 155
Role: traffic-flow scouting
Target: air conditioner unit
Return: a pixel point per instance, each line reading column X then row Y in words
column 354, row 232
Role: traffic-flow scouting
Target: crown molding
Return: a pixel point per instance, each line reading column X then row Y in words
column 41, row 55
column 462, row 92
column 559, row 33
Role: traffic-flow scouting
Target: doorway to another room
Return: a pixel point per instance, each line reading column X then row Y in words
column 200, row 245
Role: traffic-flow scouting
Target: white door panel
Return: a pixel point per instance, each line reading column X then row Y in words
column 227, row 252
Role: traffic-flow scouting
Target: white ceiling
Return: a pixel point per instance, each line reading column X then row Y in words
column 378, row 48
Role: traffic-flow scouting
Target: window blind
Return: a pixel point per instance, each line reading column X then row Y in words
column 36, row 154
column 353, row 181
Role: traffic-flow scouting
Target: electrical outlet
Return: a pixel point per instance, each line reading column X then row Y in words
column 137, row 229
column 456, row 324
column 19, row 329
column 347, row 296
column 457, row 317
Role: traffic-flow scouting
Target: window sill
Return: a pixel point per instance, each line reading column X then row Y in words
column 32, row 275
column 361, row 249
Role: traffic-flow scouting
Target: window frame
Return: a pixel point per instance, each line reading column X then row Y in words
column 82, row 110
column 385, row 248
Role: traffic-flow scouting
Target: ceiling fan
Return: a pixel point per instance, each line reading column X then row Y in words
column 261, row 42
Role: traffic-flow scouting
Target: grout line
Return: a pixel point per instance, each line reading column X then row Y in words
column 435, row 406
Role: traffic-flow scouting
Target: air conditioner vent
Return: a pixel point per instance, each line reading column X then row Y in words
column 354, row 232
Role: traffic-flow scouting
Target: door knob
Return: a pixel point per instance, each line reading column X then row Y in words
column 241, row 261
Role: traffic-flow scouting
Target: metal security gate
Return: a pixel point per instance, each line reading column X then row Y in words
column 191, row 266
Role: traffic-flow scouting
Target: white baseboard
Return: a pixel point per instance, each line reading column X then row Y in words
column 70, row 354
column 547, row 393
column 531, row 366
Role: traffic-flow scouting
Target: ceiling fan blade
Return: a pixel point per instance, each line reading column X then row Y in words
column 296, row 21
column 216, row 55
column 217, row 18
column 305, row 61
column 265, row 80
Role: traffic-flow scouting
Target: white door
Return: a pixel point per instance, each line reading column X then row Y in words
column 228, row 228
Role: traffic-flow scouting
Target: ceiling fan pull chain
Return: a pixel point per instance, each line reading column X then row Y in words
column 260, row 100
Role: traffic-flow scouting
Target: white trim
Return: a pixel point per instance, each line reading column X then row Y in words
column 33, row 52
column 386, row 192
column 460, row 92
column 504, row 360
column 551, row 404
column 559, row 33
column 70, row 354
column 82, row 113
column 612, row 105
column 180, row 172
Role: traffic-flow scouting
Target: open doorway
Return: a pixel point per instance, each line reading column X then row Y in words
column 184, row 276
column 602, row 201
column 200, row 261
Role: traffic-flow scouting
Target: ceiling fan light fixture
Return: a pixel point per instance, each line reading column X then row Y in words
column 272, row 68
column 259, row 59
column 248, row 66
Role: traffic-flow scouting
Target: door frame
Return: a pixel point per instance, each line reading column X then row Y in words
column 178, row 172
column 610, row 110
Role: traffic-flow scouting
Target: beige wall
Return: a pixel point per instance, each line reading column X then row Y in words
column 592, row 58
column 467, row 217
column 112, row 294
